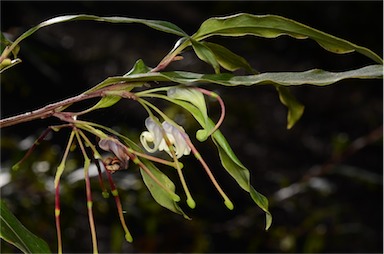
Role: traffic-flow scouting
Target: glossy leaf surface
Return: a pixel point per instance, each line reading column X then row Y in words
column 15, row 233
column 315, row 77
column 272, row 26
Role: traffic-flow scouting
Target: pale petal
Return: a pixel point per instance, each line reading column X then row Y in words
column 153, row 135
column 155, row 130
column 177, row 139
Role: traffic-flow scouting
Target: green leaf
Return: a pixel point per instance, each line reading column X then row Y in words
column 190, row 95
column 315, row 77
column 240, row 173
column 163, row 26
column 158, row 193
column 228, row 159
column 139, row 67
column 161, row 196
column 206, row 55
column 105, row 102
column 295, row 108
column 227, row 59
column 272, row 26
column 263, row 203
column 12, row 231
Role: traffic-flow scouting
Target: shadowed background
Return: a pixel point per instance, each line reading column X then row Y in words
column 323, row 199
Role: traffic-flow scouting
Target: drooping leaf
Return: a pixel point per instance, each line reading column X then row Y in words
column 228, row 59
column 240, row 174
column 158, row 193
column 272, row 26
column 12, row 231
column 161, row 196
column 263, row 203
column 205, row 54
column 160, row 25
column 295, row 108
column 228, row 159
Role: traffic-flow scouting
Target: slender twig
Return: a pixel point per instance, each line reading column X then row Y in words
column 36, row 143
column 56, row 108
column 46, row 111
column 53, row 108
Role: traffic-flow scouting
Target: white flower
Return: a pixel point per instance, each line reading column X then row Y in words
column 154, row 135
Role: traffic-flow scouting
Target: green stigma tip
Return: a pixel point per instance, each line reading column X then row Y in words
column 128, row 237
column 191, row 203
column 105, row 194
column 229, row 204
column 201, row 135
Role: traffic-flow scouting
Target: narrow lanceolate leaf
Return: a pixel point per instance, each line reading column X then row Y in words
column 272, row 26
column 295, row 108
column 163, row 26
column 228, row 59
column 240, row 174
column 158, row 193
column 228, row 159
column 205, row 54
column 315, row 77
column 12, row 231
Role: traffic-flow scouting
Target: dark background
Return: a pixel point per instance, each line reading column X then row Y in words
column 319, row 203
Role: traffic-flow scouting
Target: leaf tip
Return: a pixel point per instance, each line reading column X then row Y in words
column 268, row 222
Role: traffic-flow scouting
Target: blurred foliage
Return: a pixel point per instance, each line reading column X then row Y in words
column 325, row 196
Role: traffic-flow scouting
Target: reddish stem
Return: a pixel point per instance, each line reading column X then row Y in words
column 119, row 207
column 32, row 148
column 57, row 219
column 103, row 189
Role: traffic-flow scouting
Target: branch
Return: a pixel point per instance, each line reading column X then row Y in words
column 49, row 110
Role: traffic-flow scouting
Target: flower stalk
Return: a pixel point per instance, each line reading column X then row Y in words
column 87, row 162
